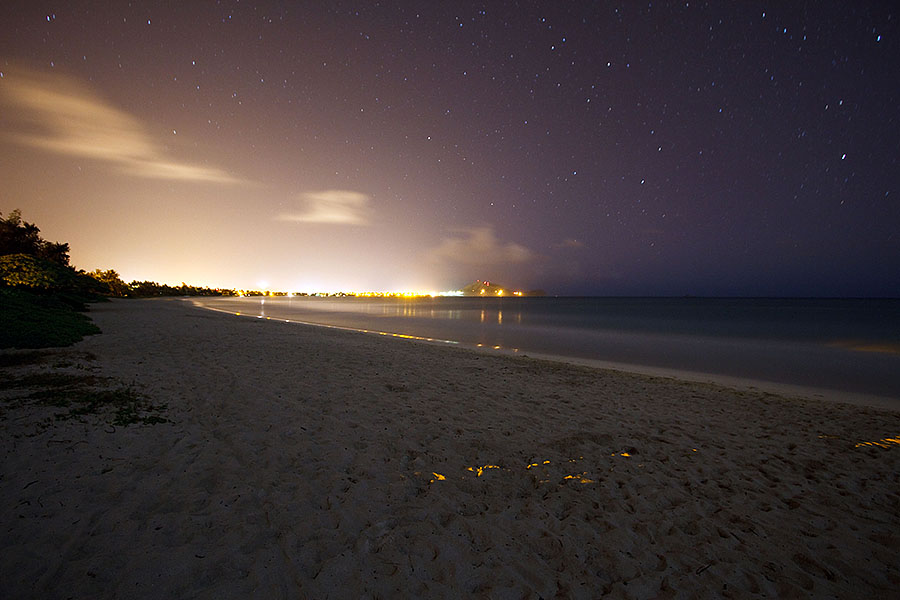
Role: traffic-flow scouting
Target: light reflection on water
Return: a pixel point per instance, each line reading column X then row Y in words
column 418, row 308
column 800, row 342
column 409, row 310
column 863, row 326
column 872, row 325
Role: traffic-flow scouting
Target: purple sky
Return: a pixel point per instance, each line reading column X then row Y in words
column 584, row 148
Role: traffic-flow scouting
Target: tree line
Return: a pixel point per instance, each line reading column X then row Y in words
column 29, row 262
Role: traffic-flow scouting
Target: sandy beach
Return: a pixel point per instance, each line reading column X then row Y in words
column 303, row 462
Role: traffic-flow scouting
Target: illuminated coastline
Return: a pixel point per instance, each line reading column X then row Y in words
column 478, row 288
column 369, row 294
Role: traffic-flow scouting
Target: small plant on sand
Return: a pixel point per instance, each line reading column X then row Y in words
column 84, row 395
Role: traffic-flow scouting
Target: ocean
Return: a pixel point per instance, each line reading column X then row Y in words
column 850, row 345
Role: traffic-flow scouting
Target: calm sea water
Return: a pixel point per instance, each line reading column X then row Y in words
column 839, row 344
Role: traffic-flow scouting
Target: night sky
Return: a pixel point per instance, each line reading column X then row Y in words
column 720, row 148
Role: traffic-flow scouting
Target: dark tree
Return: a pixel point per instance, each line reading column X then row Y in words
column 20, row 237
column 116, row 286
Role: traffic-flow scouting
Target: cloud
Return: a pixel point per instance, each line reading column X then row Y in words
column 59, row 114
column 479, row 247
column 332, row 207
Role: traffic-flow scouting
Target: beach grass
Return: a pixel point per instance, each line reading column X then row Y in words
column 81, row 395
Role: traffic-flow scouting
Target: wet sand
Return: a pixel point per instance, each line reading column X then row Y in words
column 308, row 462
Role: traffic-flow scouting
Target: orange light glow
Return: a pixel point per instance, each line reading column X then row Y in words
column 480, row 470
column 546, row 462
column 882, row 443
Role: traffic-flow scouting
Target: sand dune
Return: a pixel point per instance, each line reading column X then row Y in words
column 313, row 463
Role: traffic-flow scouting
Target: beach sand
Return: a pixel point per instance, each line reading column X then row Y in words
column 314, row 463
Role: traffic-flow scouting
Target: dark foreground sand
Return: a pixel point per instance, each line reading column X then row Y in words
column 312, row 463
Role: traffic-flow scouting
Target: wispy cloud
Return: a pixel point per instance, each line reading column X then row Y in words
column 332, row 207
column 59, row 114
column 479, row 247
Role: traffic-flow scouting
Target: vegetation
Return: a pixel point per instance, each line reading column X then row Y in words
column 20, row 237
column 149, row 289
column 78, row 394
column 41, row 294
column 29, row 320
column 112, row 283
column 81, row 396
column 32, row 264
column 42, row 299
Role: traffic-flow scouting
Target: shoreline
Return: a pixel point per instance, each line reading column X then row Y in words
column 785, row 390
column 737, row 383
column 310, row 462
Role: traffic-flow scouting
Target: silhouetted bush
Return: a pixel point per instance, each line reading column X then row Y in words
column 34, row 320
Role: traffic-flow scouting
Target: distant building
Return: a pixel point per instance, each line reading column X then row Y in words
column 488, row 289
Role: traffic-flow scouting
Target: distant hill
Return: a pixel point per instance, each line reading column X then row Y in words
column 491, row 288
